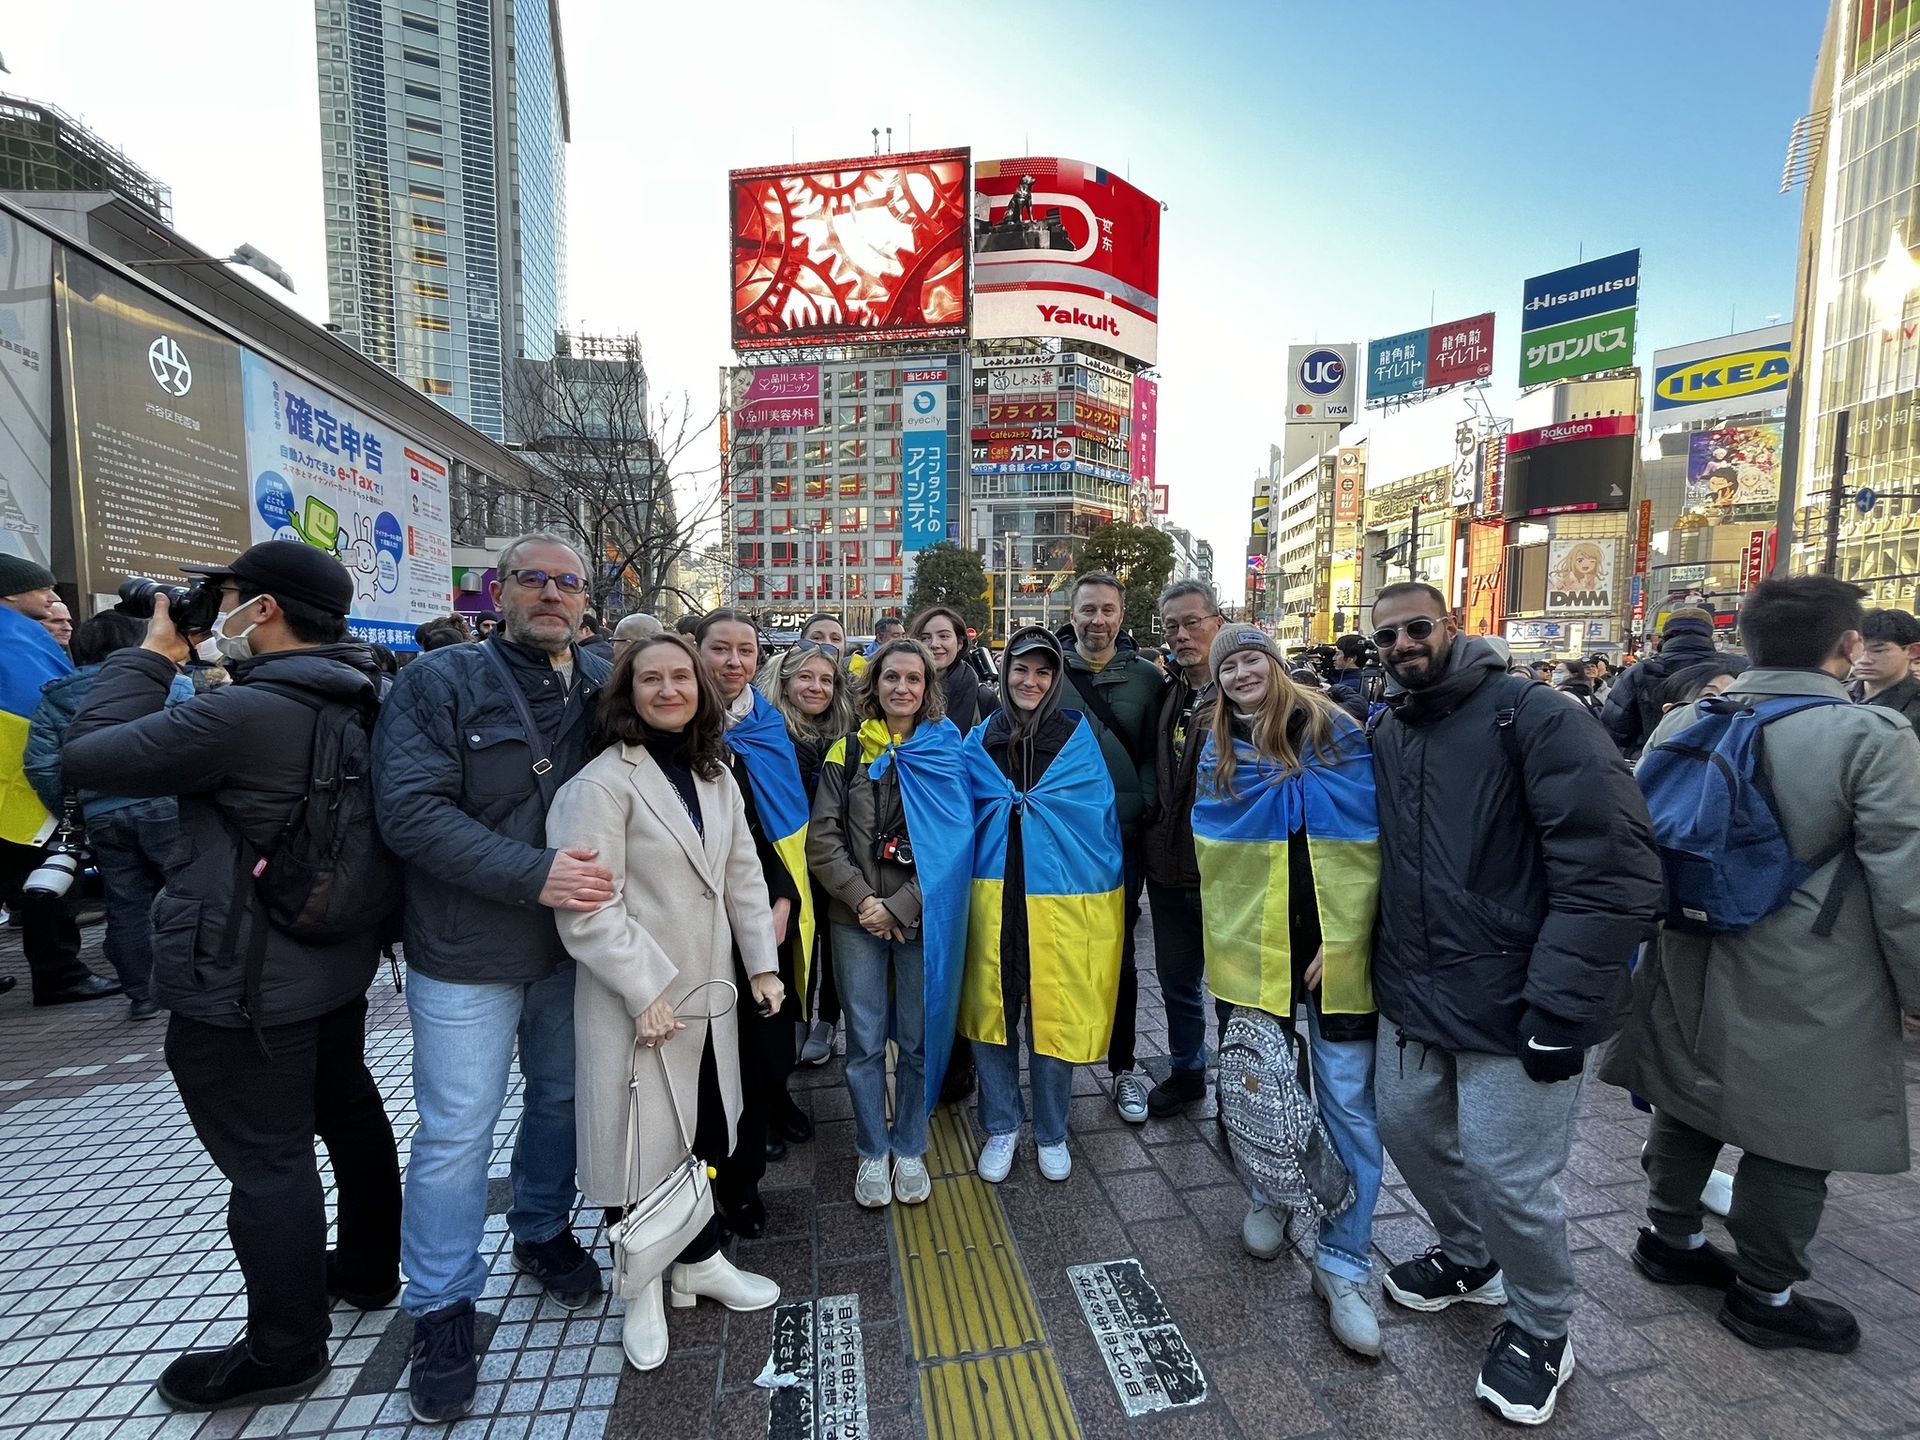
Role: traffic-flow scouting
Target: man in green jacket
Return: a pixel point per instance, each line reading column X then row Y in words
column 1118, row 690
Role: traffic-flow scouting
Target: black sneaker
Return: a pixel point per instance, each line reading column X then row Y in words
column 216, row 1379
column 445, row 1369
column 1666, row 1264
column 562, row 1265
column 1176, row 1092
column 1803, row 1323
column 1522, row 1374
column 357, row 1293
column 1433, row 1282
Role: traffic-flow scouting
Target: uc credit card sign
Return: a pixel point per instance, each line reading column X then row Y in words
column 924, row 468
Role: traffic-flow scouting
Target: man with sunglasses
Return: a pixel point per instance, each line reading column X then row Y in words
column 472, row 744
column 1517, row 876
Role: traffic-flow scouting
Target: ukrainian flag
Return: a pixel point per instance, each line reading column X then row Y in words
column 1070, row 851
column 1241, row 844
column 29, row 658
column 933, row 791
column 760, row 739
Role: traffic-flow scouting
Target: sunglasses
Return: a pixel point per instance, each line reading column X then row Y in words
column 1414, row 629
column 566, row 582
column 810, row 647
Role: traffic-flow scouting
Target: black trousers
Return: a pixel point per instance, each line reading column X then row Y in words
column 766, row 1060
column 1126, row 1001
column 709, row 1137
column 257, row 1114
column 49, row 933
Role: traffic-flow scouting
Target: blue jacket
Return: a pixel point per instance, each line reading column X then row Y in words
column 60, row 701
column 457, row 800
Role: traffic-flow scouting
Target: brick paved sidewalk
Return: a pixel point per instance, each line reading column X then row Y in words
column 111, row 1228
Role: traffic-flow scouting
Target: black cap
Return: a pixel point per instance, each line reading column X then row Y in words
column 1029, row 638
column 289, row 570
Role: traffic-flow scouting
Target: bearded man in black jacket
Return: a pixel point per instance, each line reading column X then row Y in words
column 1517, row 876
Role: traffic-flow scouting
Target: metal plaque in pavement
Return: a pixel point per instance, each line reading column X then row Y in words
column 817, row 1371
column 1152, row 1366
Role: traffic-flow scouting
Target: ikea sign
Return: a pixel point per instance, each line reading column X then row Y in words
column 1718, row 381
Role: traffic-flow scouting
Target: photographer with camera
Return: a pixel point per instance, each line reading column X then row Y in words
column 1354, row 675
column 37, row 882
column 129, row 837
column 267, row 1038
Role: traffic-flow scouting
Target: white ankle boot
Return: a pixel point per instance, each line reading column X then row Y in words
column 643, row 1335
column 717, row 1279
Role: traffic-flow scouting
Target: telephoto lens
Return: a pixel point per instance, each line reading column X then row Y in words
column 136, row 596
column 53, row 876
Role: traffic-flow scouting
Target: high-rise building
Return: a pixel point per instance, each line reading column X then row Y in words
column 44, row 149
column 443, row 129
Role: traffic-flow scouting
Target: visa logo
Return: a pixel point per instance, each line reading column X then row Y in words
column 1722, row 377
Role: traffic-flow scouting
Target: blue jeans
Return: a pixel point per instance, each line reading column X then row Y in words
column 131, row 844
column 1050, row 1077
column 863, row 964
column 463, row 1046
column 1343, row 1089
column 1180, row 958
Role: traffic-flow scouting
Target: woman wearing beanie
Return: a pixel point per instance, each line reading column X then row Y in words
column 1047, row 868
column 1287, row 835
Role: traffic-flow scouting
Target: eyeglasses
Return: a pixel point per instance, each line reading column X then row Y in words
column 1415, row 630
column 566, row 582
column 821, row 647
column 1175, row 627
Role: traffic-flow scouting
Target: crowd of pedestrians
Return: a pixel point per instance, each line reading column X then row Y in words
column 657, row 869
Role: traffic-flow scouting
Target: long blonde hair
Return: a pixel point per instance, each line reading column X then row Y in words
column 1272, row 730
column 831, row 723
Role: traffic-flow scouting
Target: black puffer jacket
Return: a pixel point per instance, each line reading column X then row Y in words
column 1167, row 842
column 1501, row 891
column 1633, row 704
column 237, row 756
column 459, row 802
column 969, row 699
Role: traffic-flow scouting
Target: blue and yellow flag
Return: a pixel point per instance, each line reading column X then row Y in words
column 1241, row 844
column 29, row 658
column 761, row 740
column 939, row 806
column 1070, row 852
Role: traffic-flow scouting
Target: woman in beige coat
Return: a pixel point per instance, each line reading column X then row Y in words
column 659, row 805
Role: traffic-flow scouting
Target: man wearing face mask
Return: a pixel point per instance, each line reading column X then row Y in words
column 267, row 1037
column 1517, row 875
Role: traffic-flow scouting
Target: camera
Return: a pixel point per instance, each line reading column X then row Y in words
column 894, row 848
column 192, row 607
column 54, row 875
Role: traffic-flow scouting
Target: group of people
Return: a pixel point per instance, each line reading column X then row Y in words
column 660, row 879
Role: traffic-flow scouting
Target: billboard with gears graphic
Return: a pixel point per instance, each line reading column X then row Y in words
column 845, row 251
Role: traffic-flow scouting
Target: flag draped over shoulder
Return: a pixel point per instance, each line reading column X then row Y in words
column 761, row 740
column 29, row 657
column 1070, row 856
column 1241, row 844
column 939, row 809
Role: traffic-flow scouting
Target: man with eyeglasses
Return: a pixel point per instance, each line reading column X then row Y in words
column 1517, row 876
column 473, row 742
column 1190, row 617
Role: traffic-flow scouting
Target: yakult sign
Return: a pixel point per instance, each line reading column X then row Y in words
column 1320, row 384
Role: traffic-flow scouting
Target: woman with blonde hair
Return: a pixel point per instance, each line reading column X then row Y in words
column 1287, row 835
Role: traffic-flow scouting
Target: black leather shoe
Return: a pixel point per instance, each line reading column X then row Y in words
column 1173, row 1094
column 746, row 1218
column 142, row 1008
column 1666, row 1264
column 358, row 1293
column 216, row 1379
column 1803, row 1323
column 958, row 1083
column 570, row 1275
column 7, row 982
column 776, row 1147
column 793, row 1125
column 94, row 987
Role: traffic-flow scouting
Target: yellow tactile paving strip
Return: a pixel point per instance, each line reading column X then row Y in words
column 985, row 1370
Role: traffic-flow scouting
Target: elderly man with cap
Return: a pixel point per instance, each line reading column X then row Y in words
column 30, row 656
column 267, row 1040
column 1634, row 705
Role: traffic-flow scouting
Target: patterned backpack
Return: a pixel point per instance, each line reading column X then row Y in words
column 1273, row 1126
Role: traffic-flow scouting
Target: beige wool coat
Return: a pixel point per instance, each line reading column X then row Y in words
column 681, row 903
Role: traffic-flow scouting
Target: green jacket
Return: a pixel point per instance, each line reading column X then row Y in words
column 1131, row 685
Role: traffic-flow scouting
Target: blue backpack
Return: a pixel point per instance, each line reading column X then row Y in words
column 1727, row 862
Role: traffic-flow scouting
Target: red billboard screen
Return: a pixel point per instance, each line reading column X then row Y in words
column 850, row 250
column 1065, row 248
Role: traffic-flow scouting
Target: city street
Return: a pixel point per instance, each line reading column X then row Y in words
column 965, row 1314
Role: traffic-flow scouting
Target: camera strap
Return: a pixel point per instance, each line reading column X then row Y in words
column 544, row 774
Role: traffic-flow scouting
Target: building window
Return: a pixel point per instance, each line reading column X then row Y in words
column 420, row 23
column 784, row 552
column 422, row 124
column 746, row 522
column 423, row 92
column 425, row 157
column 420, row 190
column 886, row 482
column 433, row 322
column 429, row 288
column 419, row 57
column 436, row 387
column 429, row 257
column 431, row 226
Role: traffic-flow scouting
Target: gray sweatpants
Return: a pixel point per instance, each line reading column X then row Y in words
column 1481, row 1147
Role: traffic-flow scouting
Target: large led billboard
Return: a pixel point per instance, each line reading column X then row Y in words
column 845, row 251
column 1577, row 465
column 1065, row 248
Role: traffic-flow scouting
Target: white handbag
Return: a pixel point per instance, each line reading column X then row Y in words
column 657, row 1226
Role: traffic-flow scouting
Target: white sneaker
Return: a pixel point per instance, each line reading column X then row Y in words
column 1055, row 1162
column 996, row 1158
column 911, row 1183
column 643, row 1330
column 1130, row 1097
column 718, row 1278
column 1718, row 1196
column 871, row 1187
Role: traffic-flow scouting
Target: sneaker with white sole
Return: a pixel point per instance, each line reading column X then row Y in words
column 996, row 1158
column 1055, row 1162
column 1433, row 1282
column 1130, row 1097
column 911, row 1183
column 1522, row 1374
column 872, row 1186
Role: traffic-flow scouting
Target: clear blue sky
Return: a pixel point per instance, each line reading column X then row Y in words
column 1328, row 166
